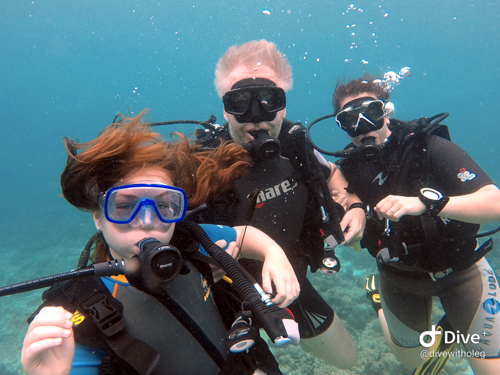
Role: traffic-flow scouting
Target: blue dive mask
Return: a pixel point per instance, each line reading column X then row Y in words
column 136, row 203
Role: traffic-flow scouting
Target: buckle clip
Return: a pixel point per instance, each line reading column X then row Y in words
column 107, row 318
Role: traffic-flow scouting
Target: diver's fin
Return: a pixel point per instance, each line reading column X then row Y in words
column 372, row 287
column 436, row 363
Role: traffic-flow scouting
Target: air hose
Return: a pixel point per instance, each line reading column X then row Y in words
column 263, row 311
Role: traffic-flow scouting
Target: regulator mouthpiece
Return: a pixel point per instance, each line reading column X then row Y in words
column 159, row 262
column 263, row 146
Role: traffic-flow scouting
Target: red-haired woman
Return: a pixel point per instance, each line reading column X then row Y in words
column 137, row 186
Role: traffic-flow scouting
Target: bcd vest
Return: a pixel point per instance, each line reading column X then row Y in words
column 177, row 330
column 287, row 207
column 403, row 170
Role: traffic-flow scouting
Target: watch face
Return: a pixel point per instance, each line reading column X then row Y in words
column 431, row 194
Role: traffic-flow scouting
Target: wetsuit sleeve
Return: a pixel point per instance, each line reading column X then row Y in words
column 86, row 361
column 218, row 232
column 455, row 172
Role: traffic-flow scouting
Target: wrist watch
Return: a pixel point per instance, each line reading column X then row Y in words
column 433, row 200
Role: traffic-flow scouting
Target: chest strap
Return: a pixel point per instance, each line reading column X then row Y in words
column 87, row 297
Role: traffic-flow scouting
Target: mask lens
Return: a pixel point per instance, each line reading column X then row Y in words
column 348, row 119
column 272, row 99
column 122, row 204
column 236, row 101
column 374, row 110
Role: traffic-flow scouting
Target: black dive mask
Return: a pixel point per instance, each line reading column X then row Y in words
column 361, row 116
column 254, row 100
column 263, row 146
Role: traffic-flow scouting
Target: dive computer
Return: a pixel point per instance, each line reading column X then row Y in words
column 433, row 200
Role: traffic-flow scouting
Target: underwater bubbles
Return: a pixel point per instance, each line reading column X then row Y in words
column 392, row 79
column 405, row 72
column 365, row 28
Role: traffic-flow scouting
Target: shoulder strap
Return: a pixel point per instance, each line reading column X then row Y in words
column 413, row 137
column 222, row 207
column 295, row 147
column 189, row 248
column 182, row 317
column 300, row 152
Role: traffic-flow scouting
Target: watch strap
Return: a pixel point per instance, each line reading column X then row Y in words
column 433, row 207
column 357, row 205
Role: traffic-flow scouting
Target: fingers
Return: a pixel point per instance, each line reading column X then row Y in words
column 286, row 285
column 49, row 328
column 353, row 234
column 49, row 344
column 266, row 282
column 47, row 337
column 286, row 292
column 391, row 215
column 389, row 210
column 233, row 250
column 393, row 207
column 353, row 223
column 52, row 316
column 221, row 243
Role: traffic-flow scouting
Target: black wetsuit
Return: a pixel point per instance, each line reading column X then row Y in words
column 407, row 286
column 287, row 212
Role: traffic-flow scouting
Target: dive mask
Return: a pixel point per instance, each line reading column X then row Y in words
column 254, row 100
column 136, row 203
column 361, row 116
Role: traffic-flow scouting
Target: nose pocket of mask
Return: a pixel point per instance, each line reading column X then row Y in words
column 146, row 214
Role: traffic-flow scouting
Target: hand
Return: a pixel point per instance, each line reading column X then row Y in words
column 49, row 345
column 353, row 224
column 393, row 207
column 278, row 270
column 233, row 250
column 340, row 199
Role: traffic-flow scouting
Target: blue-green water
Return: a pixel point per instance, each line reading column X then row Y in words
column 67, row 67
